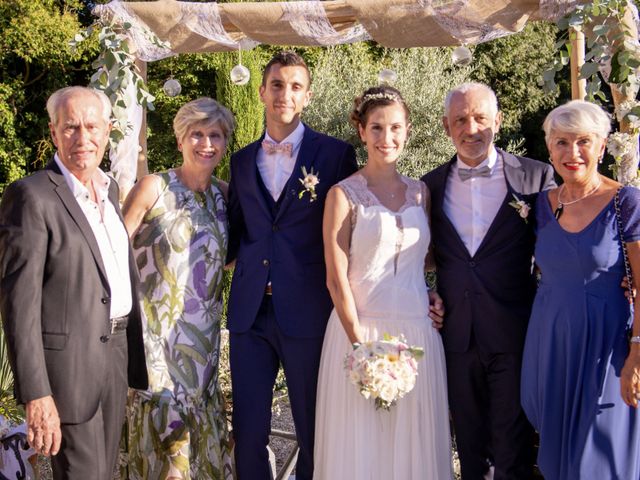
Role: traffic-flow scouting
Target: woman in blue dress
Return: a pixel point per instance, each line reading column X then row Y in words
column 580, row 379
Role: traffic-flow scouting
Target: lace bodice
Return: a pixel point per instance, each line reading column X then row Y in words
column 387, row 251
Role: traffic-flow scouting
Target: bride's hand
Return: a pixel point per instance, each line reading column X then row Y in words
column 357, row 334
column 436, row 309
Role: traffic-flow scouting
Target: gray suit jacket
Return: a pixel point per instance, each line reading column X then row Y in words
column 54, row 297
column 488, row 296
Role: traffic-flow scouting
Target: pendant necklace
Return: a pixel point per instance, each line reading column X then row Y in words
column 560, row 208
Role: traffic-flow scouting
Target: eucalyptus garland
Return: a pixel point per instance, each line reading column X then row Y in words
column 608, row 41
column 116, row 70
column 612, row 50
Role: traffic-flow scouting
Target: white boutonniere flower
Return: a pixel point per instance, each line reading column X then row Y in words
column 522, row 207
column 309, row 181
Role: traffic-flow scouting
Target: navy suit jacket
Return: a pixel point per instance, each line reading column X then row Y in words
column 283, row 246
column 489, row 294
column 54, row 297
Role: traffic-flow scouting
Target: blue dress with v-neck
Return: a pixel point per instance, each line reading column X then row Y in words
column 576, row 346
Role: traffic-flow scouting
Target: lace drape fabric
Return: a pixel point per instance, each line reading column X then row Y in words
column 307, row 22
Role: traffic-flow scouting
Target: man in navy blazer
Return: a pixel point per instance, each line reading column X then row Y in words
column 279, row 304
column 483, row 245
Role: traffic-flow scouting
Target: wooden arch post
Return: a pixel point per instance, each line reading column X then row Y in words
column 578, row 85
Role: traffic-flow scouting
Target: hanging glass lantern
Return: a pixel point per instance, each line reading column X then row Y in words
column 240, row 75
column 461, row 56
column 172, row 87
column 387, row 76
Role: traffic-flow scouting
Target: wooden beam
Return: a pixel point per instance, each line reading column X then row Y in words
column 578, row 85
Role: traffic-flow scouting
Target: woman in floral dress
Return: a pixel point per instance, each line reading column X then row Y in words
column 178, row 226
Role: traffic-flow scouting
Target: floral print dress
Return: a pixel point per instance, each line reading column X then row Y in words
column 178, row 428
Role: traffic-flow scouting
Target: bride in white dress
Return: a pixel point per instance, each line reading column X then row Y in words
column 376, row 235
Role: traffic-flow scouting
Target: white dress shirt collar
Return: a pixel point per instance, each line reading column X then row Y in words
column 276, row 169
column 100, row 181
column 491, row 161
column 294, row 138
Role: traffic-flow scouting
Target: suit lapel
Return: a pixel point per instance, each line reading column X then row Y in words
column 441, row 197
column 513, row 172
column 514, row 177
column 250, row 173
column 71, row 204
column 306, row 157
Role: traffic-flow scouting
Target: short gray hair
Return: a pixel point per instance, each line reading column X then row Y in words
column 203, row 110
column 467, row 87
column 59, row 96
column 577, row 116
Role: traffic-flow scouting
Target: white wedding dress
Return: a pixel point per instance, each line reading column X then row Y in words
column 353, row 440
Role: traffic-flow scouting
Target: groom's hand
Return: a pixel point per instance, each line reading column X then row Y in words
column 436, row 309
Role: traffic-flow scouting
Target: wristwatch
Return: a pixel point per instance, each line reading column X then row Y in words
column 635, row 339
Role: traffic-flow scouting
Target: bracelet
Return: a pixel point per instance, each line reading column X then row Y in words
column 635, row 339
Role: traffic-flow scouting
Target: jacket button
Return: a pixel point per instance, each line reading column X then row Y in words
column 466, row 294
column 105, row 301
column 472, row 264
column 104, row 338
column 274, row 228
column 265, row 262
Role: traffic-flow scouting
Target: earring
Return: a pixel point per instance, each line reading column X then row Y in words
column 600, row 160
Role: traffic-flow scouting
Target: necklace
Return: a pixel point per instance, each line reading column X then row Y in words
column 560, row 208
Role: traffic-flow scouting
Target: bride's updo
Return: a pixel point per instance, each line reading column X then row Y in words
column 373, row 98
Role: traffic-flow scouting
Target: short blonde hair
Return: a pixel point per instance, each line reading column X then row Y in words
column 577, row 116
column 203, row 110
column 59, row 96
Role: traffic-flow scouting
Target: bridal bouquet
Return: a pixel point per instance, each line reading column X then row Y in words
column 384, row 370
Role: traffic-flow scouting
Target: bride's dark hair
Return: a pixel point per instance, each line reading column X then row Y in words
column 373, row 98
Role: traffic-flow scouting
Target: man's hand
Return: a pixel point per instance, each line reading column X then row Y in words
column 436, row 309
column 43, row 426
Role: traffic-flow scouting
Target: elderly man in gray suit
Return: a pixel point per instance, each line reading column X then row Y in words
column 483, row 245
column 68, row 295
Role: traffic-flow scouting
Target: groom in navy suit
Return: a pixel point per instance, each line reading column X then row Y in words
column 483, row 249
column 279, row 304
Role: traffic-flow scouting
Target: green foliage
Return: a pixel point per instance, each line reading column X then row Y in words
column 243, row 101
column 116, row 71
column 341, row 73
column 196, row 74
column 8, row 407
column 602, row 22
column 512, row 66
column 35, row 60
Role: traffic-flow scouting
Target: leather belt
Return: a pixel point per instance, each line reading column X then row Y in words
column 119, row 324
column 268, row 290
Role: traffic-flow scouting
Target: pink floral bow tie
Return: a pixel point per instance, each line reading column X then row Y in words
column 271, row 148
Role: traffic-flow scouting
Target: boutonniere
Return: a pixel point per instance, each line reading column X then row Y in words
column 309, row 182
column 521, row 207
